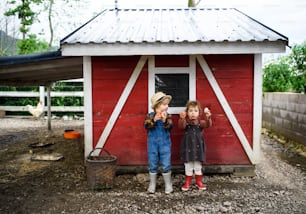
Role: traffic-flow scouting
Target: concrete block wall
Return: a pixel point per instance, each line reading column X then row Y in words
column 285, row 113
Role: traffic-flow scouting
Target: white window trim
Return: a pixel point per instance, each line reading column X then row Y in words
column 191, row 70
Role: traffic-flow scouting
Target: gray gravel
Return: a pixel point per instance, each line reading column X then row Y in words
column 278, row 187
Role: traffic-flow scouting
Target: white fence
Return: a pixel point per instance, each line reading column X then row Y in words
column 41, row 96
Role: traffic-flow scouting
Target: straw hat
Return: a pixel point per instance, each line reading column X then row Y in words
column 158, row 98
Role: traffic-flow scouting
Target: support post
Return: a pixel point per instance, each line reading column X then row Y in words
column 49, row 105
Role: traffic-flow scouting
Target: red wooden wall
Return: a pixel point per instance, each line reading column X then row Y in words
column 128, row 139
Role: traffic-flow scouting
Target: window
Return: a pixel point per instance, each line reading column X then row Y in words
column 179, row 82
column 177, row 85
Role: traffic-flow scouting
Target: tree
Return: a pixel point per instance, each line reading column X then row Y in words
column 298, row 63
column 32, row 45
column 50, row 9
column 29, row 43
column 192, row 3
column 24, row 13
column 60, row 16
column 8, row 32
column 276, row 76
column 287, row 73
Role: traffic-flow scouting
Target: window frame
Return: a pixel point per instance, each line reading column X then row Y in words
column 191, row 71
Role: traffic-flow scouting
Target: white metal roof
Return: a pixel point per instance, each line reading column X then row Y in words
column 172, row 31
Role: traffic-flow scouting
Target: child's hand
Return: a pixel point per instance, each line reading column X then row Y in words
column 183, row 114
column 160, row 116
column 207, row 113
column 163, row 116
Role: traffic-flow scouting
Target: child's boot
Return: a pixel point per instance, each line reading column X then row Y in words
column 188, row 180
column 168, row 182
column 199, row 183
column 152, row 185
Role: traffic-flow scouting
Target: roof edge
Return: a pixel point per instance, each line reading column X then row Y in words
column 285, row 38
column 37, row 57
column 183, row 48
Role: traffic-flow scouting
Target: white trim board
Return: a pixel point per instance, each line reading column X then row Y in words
column 87, row 74
column 177, row 48
column 257, row 106
column 226, row 107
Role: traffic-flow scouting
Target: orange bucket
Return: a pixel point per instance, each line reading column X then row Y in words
column 71, row 134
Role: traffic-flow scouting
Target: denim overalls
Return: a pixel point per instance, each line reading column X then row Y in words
column 159, row 143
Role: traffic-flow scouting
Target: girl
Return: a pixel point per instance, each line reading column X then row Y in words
column 159, row 124
column 193, row 145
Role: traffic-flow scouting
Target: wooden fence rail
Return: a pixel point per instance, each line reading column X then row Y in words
column 37, row 94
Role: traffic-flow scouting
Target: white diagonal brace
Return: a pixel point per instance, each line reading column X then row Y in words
column 227, row 109
column 124, row 96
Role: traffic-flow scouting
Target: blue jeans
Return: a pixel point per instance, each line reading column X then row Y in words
column 159, row 149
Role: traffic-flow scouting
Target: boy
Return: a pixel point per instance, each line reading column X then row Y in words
column 159, row 124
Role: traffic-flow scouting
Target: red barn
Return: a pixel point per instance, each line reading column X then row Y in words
column 212, row 55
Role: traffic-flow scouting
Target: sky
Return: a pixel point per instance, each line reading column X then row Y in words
column 287, row 17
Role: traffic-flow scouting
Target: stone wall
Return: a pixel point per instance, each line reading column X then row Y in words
column 285, row 113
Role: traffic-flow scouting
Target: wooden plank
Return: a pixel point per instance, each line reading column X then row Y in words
column 235, row 170
column 124, row 96
column 227, row 109
column 53, row 108
column 171, row 48
column 257, row 112
column 37, row 94
column 2, row 113
column 87, row 75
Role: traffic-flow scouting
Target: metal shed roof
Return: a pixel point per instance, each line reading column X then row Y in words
column 39, row 69
column 172, row 31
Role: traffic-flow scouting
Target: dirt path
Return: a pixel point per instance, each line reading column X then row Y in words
column 60, row 186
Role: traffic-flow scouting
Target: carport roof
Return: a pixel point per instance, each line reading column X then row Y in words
column 39, row 69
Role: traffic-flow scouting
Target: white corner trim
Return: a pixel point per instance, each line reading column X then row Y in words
column 226, row 107
column 192, row 78
column 257, row 106
column 151, row 79
column 124, row 96
column 87, row 74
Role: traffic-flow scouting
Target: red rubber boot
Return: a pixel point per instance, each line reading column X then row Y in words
column 188, row 180
column 199, row 183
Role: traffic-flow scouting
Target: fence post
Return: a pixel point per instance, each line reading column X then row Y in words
column 42, row 95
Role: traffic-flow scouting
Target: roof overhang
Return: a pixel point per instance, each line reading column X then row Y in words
column 39, row 69
column 173, row 48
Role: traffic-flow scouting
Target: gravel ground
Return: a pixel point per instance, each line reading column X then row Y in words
column 60, row 187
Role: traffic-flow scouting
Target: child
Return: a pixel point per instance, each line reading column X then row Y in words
column 159, row 124
column 193, row 145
